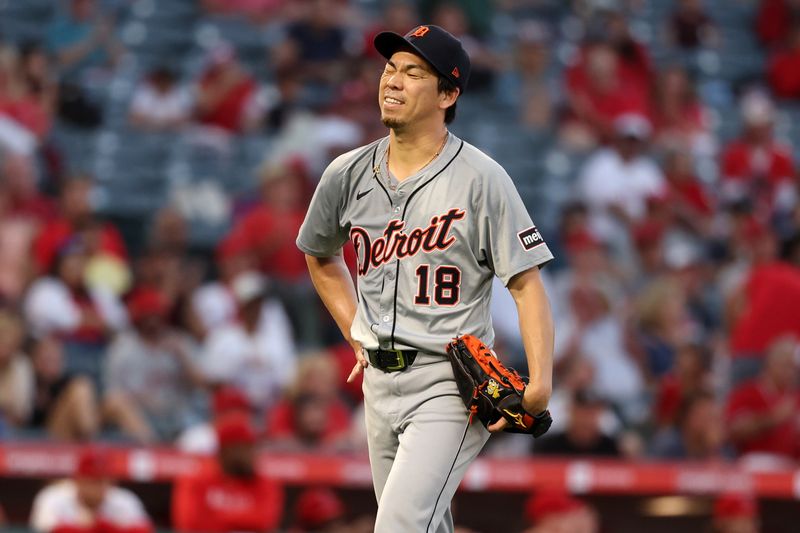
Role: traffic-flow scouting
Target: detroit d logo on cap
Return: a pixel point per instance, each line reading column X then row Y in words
column 419, row 32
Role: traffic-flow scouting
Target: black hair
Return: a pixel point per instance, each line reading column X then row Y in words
column 447, row 86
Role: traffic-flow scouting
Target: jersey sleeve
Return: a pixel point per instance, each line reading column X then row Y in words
column 322, row 233
column 508, row 240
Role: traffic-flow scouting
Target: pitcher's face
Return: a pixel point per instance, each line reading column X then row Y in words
column 408, row 91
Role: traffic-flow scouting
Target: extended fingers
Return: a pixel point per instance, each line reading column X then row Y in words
column 355, row 372
column 361, row 364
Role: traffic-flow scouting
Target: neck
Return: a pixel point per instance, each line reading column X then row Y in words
column 412, row 150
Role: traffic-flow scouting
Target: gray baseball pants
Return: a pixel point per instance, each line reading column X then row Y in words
column 420, row 444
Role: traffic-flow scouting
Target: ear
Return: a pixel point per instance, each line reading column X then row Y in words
column 446, row 99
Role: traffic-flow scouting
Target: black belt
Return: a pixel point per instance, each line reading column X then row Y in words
column 391, row 360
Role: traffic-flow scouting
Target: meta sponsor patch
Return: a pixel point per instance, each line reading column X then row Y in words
column 530, row 238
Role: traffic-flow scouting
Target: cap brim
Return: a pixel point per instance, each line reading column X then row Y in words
column 389, row 42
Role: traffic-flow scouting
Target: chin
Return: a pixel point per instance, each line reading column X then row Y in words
column 393, row 123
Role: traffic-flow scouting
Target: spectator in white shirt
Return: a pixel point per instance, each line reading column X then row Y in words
column 590, row 329
column 62, row 304
column 159, row 103
column 256, row 352
column 616, row 181
column 89, row 502
column 214, row 303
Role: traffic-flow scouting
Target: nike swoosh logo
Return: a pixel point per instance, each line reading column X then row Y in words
column 361, row 195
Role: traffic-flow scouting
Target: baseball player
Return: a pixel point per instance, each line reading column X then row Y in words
column 432, row 220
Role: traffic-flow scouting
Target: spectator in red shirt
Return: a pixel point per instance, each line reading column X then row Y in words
column 269, row 229
column 756, row 167
column 679, row 118
column 775, row 19
column 687, row 200
column 689, row 375
column 229, row 494
column 600, row 91
column 612, row 75
column 735, row 513
column 319, row 510
column 762, row 414
column 17, row 102
column 551, row 511
column 784, row 68
column 313, row 414
column 767, row 310
column 268, row 232
column 633, row 56
column 75, row 217
column 36, row 70
column 224, row 91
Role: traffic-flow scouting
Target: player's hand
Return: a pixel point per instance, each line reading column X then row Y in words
column 361, row 363
column 534, row 401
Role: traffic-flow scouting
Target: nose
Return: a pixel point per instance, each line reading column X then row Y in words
column 394, row 80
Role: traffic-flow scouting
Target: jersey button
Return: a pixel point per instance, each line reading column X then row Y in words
column 397, row 209
column 390, row 275
column 386, row 318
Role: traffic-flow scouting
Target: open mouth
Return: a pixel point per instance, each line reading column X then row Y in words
column 392, row 101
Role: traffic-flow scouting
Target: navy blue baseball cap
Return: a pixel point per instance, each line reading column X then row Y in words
column 434, row 44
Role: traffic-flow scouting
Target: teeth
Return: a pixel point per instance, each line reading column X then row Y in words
column 389, row 100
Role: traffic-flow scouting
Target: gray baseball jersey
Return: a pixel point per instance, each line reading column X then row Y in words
column 427, row 246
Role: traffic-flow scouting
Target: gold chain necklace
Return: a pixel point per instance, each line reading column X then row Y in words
column 386, row 158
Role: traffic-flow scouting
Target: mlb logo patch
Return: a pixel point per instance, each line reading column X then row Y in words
column 530, row 238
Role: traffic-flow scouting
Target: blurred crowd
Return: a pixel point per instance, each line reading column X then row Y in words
column 229, row 494
column 677, row 281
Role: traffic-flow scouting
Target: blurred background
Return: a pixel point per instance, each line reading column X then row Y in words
column 165, row 362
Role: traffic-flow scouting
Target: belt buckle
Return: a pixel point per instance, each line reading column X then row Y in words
column 401, row 361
